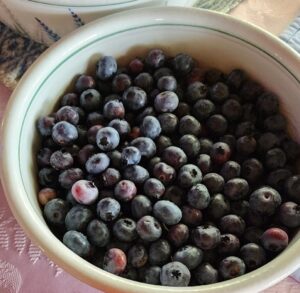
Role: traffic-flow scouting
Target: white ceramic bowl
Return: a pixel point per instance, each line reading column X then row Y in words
column 215, row 40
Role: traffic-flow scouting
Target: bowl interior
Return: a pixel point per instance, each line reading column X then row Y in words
column 212, row 47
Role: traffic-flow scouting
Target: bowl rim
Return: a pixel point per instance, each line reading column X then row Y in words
column 44, row 238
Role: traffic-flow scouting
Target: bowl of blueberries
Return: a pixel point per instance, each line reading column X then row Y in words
column 157, row 150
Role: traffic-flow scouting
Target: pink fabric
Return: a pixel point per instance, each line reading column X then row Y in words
column 24, row 268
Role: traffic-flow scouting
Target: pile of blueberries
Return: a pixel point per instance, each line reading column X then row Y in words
column 169, row 174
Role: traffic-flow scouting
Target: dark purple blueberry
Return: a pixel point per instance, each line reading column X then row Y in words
column 289, row 214
column 137, row 256
column 150, row 275
column 214, row 182
column 84, row 82
column 43, row 157
column 94, row 118
column 145, row 145
column 167, row 212
column 122, row 126
column 206, row 237
column 155, row 58
column 229, row 245
column 291, row 148
column 167, row 83
column 189, row 175
column 174, row 156
column 136, row 174
column 252, row 235
column 292, row 188
column 148, row 228
column 78, row 243
column 106, row 67
column 253, row 256
column 134, row 98
column 190, row 256
column 168, row 122
column 174, row 194
column 213, row 75
column 249, row 112
column 162, row 142
column 98, row 233
column 189, row 125
column 205, row 145
column 198, row 197
column 245, row 128
column 166, row 101
column 196, row 91
column 97, row 163
column 70, row 99
column 130, row 156
column 108, row 209
column 136, row 66
column 252, row 170
column 110, row 177
column 219, row 206
column 275, row 158
column 275, row 123
column 203, row 109
column 267, row 104
column 125, row 190
column 205, row 274
column 91, row 134
column 55, row 211
column 125, row 230
column 182, row 64
column 274, row 239
column 175, row 274
column 190, row 145
column 85, row 192
column 90, row 100
column 114, row 261
column 240, row 208
column 85, row 152
column 140, row 206
column 219, row 92
column 267, row 141
column 150, row 127
column 232, row 110
column 183, row 109
column 220, row 153
column 130, row 273
column 115, row 159
column 191, row 216
column 67, row 113
column 204, row 163
column 114, row 109
column 107, row 138
column 159, row 252
column 230, row 170
column 60, row 160
column 68, row 177
column 235, row 79
column 82, row 135
column 250, row 90
column 236, row 188
column 232, row 224
column 178, row 234
column 144, row 81
column 265, row 201
column 154, row 188
column 231, row 267
column 246, row 145
column 64, row 133
column 217, row 124
column 120, row 83
column 163, row 71
column 78, row 218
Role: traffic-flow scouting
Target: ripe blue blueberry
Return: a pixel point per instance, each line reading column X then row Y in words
column 159, row 252
column 175, row 274
column 137, row 256
column 167, row 212
column 189, row 175
column 134, row 98
column 206, row 237
column 108, row 209
column 253, row 255
column 145, row 145
column 78, row 218
column 125, row 230
column 106, row 67
column 150, row 127
column 206, row 274
column 55, row 211
column 64, row 133
column 68, row 177
column 67, row 113
column 98, row 233
column 90, row 100
column 97, row 163
column 198, row 196
column 107, row 138
column 136, row 174
column 78, row 243
column 130, row 156
column 141, row 206
column 231, row 267
column 166, row 101
column 189, row 255
column 148, row 228
column 154, row 188
column 114, row 109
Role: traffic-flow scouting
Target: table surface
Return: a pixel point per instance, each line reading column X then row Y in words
column 24, row 268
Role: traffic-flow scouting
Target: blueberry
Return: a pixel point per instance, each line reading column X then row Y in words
column 214, row 182
column 219, row 92
column 144, row 80
column 122, row 126
column 274, row 239
column 168, row 122
column 150, row 127
column 136, row 66
column 250, row 90
column 110, row 177
column 252, row 170
column 231, row 267
column 136, row 174
column 90, row 100
column 189, row 125
column 289, row 214
column 163, row 71
column 240, row 208
column 246, row 145
column 213, row 75
column 166, row 101
column 162, row 142
column 78, row 218
column 155, row 58
column 191, row 216
column 64, row 133
column 130, row 273
column 125, row 230
column 232, row 110
column 291, row 148
column 108, row 209
column 97, row 163
column 253, row 256
column 175, row 274
column 182, row 110
column 167, row 83
column 174, row 156
column 235, row 79
column 229, row 244
column 196, row 91
column 252, row 234
column 182, row 64
column 137, row 256
column 91, row 134
column 148, row 228
column 78, row 243
column 230, row 170
column 178, row 234
column 190, row 145
column 106, row 67
column 94, row 118
column 84, row 82
column 151, row 275
column 245, row 128
column 189, row 255
column 174, row 194
column 236, row 188
column 154, row 188
column 204, row 163
column 125, row 190
column 220, row 153
column 43, row 157
column 120, row 83
column 292, row 188
column 159, row 252
column 217, row 124
column 84, row 192
column 67, row 113
column 198, row 197
column 206, row 237
column 70, row 99
column 203, row 109
column 107, row 138
column 115, row 159
column 153, row 162
column 46, row 194
column 134, row 98
column 206, row 145
column 267, row 141
column 205, row 274
column 275, row 158
column 265, row 201
column 68, row 177
column 189, row 175
column 167, row 212
column 275, row 123
column 232, row 224
column 267, row 104
column 130, row 156
column 140, row 206
column 145, row 145
column 85, row 152
column 60, row 160
column 55, row 211
column 114, row 261
column 98, row 233
column 114, row 109
column 249, row 113
column 219, row 206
